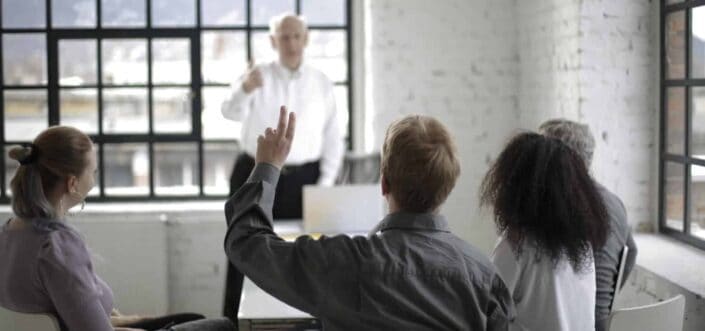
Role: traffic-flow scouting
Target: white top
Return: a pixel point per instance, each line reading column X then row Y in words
column 307, row 92
column 547, row 298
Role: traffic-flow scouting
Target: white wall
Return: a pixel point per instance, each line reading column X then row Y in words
column 595, row 62
column 455, row 60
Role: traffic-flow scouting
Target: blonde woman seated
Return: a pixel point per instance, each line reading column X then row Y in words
column 46, row 267
column 550, row 216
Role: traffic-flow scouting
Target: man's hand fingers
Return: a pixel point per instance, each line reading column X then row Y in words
column 292, row 127
column 281, row 127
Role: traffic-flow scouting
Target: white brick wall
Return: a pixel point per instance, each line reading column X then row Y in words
column 455, row 60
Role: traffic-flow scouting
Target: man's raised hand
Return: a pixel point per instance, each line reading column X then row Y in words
column 273, row 147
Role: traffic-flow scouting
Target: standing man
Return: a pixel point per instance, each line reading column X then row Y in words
column 607, row 258
column 255, row 99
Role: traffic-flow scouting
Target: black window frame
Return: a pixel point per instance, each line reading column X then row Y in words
column 53, row 35
column 686, row 160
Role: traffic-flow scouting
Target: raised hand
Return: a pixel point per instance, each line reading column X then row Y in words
column 253, row 78
column 273, row 147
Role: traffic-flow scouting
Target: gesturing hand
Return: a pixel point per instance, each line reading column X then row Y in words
column 273, row 147
column 253, row 78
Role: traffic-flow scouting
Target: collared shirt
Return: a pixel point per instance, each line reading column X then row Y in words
column 608, row 257
column 320, row 132
column 414, row 275
column 547, row 296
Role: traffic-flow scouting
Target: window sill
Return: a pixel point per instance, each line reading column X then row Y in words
column 672, row 260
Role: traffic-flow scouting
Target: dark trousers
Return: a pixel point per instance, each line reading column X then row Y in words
column 287, row 205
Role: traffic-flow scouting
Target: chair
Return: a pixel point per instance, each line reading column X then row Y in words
column 662, row 316
column 11, row 320
column 620, row 276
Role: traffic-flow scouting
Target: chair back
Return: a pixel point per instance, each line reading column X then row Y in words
column 662, row 316
column 11, row 320
column 620, row 276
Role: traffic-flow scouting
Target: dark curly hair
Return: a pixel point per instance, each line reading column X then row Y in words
column 540, row 190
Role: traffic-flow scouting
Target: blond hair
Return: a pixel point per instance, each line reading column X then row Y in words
column 56, row 153
column 419, row 163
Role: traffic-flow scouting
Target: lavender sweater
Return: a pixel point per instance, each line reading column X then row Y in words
column 51, row 272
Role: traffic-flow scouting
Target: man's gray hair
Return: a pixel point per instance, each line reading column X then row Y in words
column 276, row 21
column 576, row 135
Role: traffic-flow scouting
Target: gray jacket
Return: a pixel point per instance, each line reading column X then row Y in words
column 414, row 275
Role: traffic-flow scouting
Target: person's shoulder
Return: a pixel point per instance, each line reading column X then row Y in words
column 64, row 245
column 316, row 73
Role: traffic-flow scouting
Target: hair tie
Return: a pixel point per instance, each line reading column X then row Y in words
column 33, row 155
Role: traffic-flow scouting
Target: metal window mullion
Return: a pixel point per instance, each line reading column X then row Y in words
column 99, row 69
column 349, row 46
column 688, row 126
column 248, row 29
column 196, row 85
column 53, row 79
column 298, row 7
column 3, row 184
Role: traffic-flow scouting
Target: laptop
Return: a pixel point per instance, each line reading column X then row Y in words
column 350, row 209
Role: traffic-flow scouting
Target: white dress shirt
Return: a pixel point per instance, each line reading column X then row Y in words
column 307, row 92
column 547, row 297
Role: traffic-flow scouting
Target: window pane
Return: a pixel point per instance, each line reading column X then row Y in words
column 125, row 110
column 341, row 103
column 77, row 62
column 123, row 13
column 24, row 59
column 79, row 108
column 171, row 61
column 697, row 46
column 222, row 12
column 218, row 161
column 263, row 10
column 26, row 114
column 73, row 13
column 675, row 45
column 697, row 201
column 95, row 191
column 23, row 14
column 675, row 129
column 326, row 51
column 224, row 57
column 323, row 12
column 124, row 61
column 176, row 169
column 172, row 110
column 126, row 169
column 214, row 125
column 173, row 13
column 262, row 51
column 674, row 195
column 697, row 143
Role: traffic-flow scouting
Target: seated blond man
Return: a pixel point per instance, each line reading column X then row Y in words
column 414, row 274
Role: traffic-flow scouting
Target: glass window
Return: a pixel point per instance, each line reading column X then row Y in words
column 124, row 61
column 223, row 55
column 323, row 12
column 79, row 108
column 264, row 10
column 126, row 169
column 675, row 121
column 223, row 12
column 78, row 62
column 171, row 61
column 697, row 201
column 125, row 110
column 675, row 195
column 176, row 169
column 24, row 59
column 675, row 45
column 123, row 13
column 218, row 162
column 172, row 110
column 25, row 114
column 23, row 14
column 73, row 14
column 173, row 13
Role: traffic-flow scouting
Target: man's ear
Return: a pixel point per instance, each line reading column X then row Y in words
column 385, row 185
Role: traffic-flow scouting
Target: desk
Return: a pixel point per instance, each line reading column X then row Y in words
column 261, row 311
